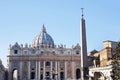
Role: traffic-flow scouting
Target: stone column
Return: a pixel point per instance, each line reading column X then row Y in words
column 10, row 71
column 65, row 70
column 39, row 71
column 56, row 70
column 36, row 71
column 44, row 72
column 20, row 71
column 51, row 73
column 10, row 75
column 73, row 70
column 28, row 70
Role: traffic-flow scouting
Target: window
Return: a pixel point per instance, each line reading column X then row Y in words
column 41, row 64
column 53, row 51
column 15, row 51
column 68, row 52
column 62, row 64
column 62, row 68
column 41, row 77
column 53, row 64
column 48, row 75
column 78, row 74
column 77, row 52
column 33, row 51
column 47, row 63
column 53, row 76
column 33, row 68
column 61, row 75
column 25, row 52
column 33, row 64
column 42, row 52
column 32, row 75
column 41, row 68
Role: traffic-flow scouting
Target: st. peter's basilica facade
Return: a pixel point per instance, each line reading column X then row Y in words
column 43, row 60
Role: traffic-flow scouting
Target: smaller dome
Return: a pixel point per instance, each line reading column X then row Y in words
column 43, row 39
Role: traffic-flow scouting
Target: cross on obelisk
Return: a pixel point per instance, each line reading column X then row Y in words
column 83, row 48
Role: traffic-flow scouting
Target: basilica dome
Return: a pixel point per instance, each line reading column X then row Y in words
column 43, row 39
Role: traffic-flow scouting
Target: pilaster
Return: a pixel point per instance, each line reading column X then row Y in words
column 36, row 71
column 28, row 70
column 65, row 70
column 73, row 70
column 39, row 71
column 20, row 70
column 56, row 70
column 44, row 71
column 51, row 71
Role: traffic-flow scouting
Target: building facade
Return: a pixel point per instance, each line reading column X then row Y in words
column 2, row 72
column 100, row 61
column 43, row 60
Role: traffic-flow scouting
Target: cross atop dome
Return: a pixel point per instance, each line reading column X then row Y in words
column 82, row 12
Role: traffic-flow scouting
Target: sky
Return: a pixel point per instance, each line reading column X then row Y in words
column 22, row 20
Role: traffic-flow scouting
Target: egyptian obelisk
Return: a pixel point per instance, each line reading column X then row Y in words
column 83, row 48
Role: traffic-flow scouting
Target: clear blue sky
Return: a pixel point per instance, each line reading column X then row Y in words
column 21, row 21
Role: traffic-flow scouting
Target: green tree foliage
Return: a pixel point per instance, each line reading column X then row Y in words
column 116, row 63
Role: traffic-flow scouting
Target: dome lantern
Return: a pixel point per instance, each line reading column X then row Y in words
column 43, row 29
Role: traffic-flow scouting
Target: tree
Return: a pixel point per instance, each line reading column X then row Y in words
column 116, row 63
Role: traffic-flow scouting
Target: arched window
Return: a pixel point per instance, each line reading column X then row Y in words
column 78, row 75
column 47, row 64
